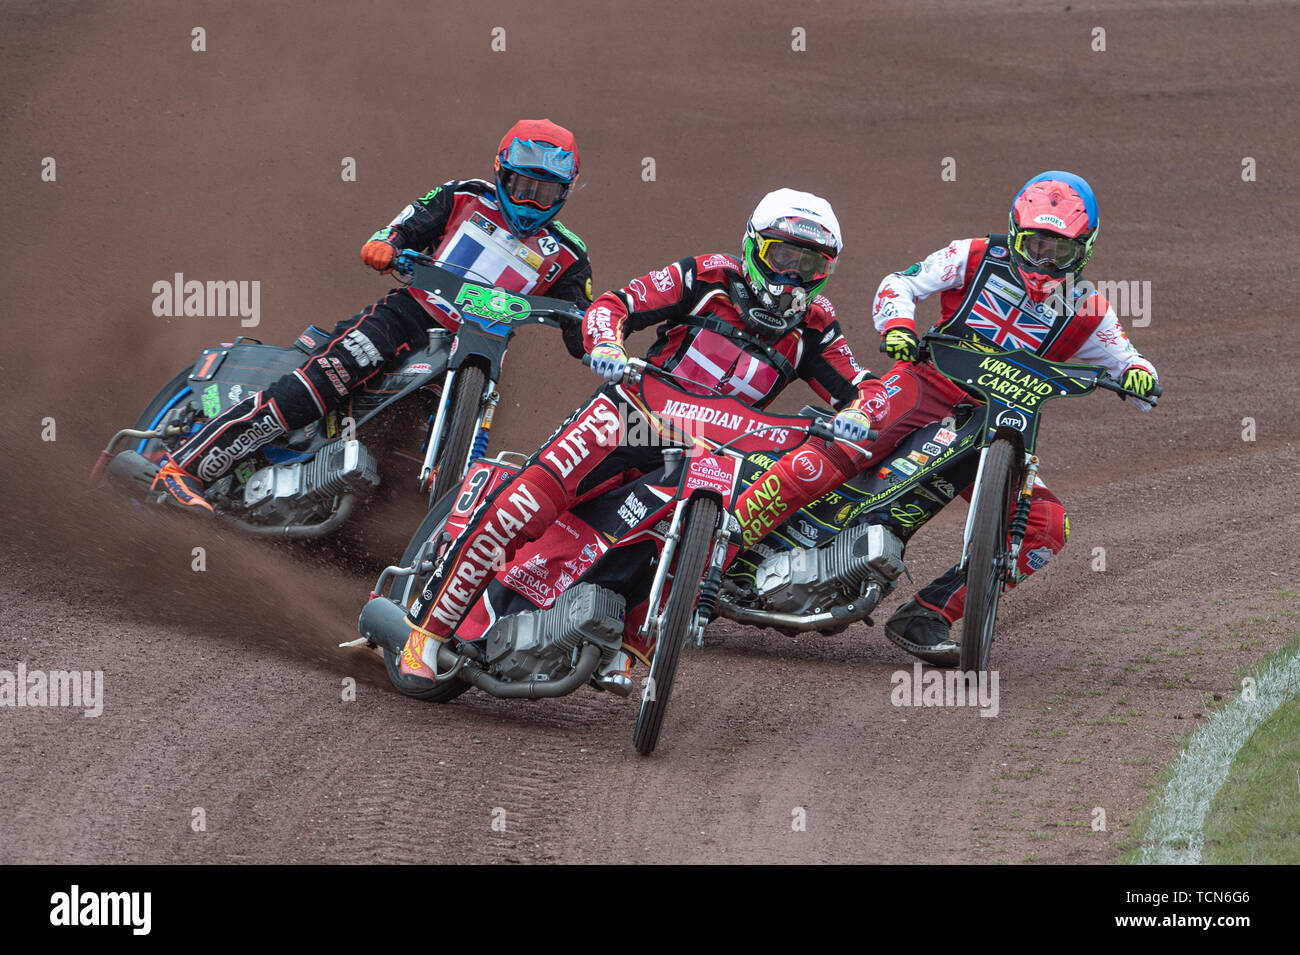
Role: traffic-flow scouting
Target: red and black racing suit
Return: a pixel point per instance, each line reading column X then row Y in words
column 461, row 224
column 699, row 302
column 983, row 298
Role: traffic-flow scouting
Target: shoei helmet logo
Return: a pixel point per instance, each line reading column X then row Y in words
column 1011, row 419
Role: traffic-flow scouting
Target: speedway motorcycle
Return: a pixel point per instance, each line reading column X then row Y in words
column 637, row 569
column 812, row 573
column 435, row 408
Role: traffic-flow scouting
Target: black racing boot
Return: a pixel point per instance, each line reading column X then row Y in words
column 924, row 633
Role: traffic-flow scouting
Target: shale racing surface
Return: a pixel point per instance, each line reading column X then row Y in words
column 224, row 734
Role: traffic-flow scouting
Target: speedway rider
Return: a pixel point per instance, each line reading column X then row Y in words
column 1011, row 291
column 745, row 328
column 504, row 233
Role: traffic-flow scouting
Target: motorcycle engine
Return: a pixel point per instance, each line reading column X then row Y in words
column 544, row 643
column 806, row 581
column 277, row 494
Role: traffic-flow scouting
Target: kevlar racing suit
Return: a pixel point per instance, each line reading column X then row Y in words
column 983, row 298
column 698, row 303
column 461, row 224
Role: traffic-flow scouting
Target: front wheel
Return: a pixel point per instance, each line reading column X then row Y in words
column 989, row 553
column 461, row 423
column 404, row 590
column 693, row 554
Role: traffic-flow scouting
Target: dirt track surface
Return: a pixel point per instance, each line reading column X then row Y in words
column 224, row 688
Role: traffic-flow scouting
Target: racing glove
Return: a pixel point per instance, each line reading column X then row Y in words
column 609, row 361
column 379, row 250
column 1139, row 381
column 851, row 424
column 901, row 344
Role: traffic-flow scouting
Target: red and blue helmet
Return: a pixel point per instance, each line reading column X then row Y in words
column 536, row 166
column 1053, row 226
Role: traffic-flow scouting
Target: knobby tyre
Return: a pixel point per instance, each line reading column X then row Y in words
column 679, row 614
column 988, row 552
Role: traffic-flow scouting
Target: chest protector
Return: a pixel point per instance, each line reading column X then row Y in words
column 736, row 362
column 998, row 311
column 478, row 244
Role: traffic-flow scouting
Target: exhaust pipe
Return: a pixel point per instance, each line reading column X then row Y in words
column 385, row 622
column 859, row 609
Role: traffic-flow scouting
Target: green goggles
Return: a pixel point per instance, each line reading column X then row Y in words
column 1047, row 248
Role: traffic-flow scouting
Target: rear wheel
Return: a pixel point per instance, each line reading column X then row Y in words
column 693, row 554
column 988, row 554
column 461, row 423
column 404, row 590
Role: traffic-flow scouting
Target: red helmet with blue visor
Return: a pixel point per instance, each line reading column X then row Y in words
column 536, row 166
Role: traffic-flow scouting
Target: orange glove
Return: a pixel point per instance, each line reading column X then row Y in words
column 378, row 252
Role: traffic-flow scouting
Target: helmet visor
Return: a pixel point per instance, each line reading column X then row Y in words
column 789, row 258
column 539, row 193
column 552, row 160
column 1047, row 248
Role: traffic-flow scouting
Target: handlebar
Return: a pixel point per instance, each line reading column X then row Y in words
column 819, row 427
column 1102, row 380
column 406, row 260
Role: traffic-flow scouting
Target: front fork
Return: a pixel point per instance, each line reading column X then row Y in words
column 1019, row 517
column 709, row 588
column 486, row 412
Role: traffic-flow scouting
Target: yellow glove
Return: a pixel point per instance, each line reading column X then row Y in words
column 901, row 345
column 1139, row 381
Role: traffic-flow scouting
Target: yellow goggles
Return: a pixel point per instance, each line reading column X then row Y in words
column 1044, row 248
column 811, row 265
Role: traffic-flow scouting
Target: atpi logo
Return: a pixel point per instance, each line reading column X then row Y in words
column 807, row 466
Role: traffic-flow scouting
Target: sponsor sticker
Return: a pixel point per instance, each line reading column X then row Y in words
column 945, row 437
column 903, row 465
column 807, row 466
column 932, row 449
column 212, row 401
column 918, row 457
column 1011, row 419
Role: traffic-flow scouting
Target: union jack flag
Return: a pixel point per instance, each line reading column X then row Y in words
column 1004, row 324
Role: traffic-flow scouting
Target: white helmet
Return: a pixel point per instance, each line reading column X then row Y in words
column 790, row 247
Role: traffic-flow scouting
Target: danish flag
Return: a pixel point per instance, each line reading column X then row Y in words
column 1004, row 324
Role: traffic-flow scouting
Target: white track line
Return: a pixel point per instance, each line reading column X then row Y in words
column 1176, row 835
